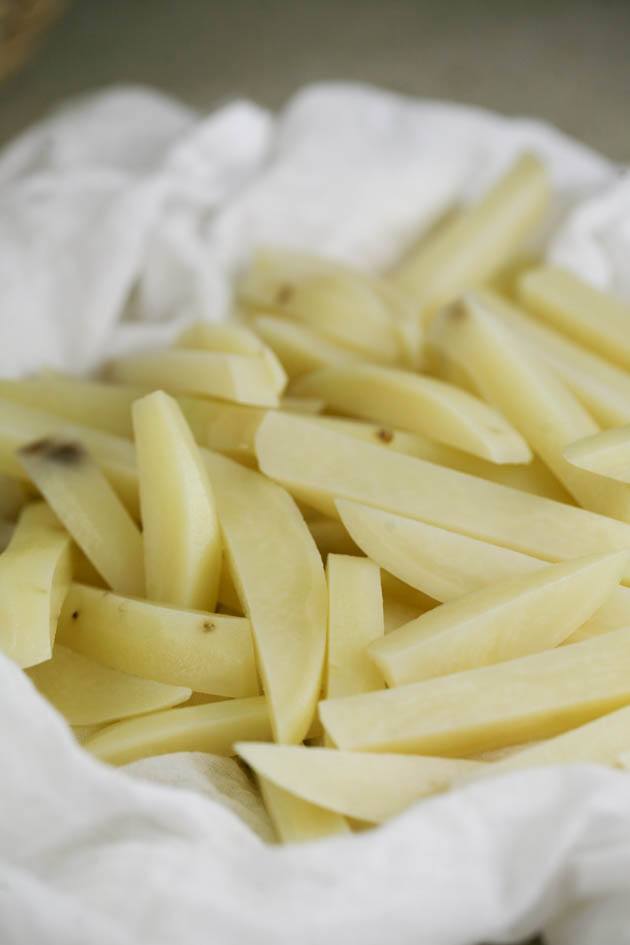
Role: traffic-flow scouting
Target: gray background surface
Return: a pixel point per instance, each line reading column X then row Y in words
column 564, row 60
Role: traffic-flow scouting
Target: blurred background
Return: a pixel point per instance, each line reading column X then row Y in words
column 563, row 60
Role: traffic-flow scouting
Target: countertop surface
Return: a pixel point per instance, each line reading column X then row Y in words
column 563, row 60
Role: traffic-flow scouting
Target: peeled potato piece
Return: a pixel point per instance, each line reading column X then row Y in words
column 418, row 404
column 599, row 742
column 213, row 728
column 280, row 581
column 368, row 787
column 86, row 504
column 319, row 466
column 606, row 454
column 482, row 709
column 234, row 339
column 513, row 618
column 479, row 241
column 446, row 565
column 208, row 653
column 88, row 402
column 182, row 538
column 602, row 387
column 87, row 693
column 35, row 572
column 355, row 619
column 298, row 348
column 296, row 820
column 241, row 378
column 13, row 497
column 593, row 318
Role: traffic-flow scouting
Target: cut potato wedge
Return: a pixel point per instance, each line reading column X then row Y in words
column 482, row 709
column 599, row 742
column 87, row 693
column 208, row 653
column 20, row 425
column 606, row 454
column 593, row 318
column 86, row 504
column 236, row 377
column 91, row 403
column 480, row 240
column 446, row 565
column 178, row 508
column 35, row 572
column 418, row 404
column 307, row 405
column 296, row 820
column 602, row 387
column 234, row 339
column 528, row 393
column 367, row 787
column 513, row 618
column 213, row 728
column 319, row 466
column 355, row 619
column 280, row 580
column 298, row 348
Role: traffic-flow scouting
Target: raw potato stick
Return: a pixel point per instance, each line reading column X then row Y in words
column 299, row 348
column 319, row 466
column 182, row 538
column 355, row 619
column 446, row 565
column 367, row 787
column 280, row 580
column 87, row 693
column 296, row 820
column 480, row 240
column 86, row 504
column 501, row 622
column 211, row 728
column 482, row 709
column 234, row 339
column 232, row 377
column 606, row 454
column 593, row 318
column 35, row 572
column 418, row 404
column 208, row 653
column 536, row 402
column 13, row 497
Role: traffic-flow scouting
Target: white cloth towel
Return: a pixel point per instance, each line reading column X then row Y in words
column 121, row 218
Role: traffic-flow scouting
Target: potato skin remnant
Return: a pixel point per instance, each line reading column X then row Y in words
column 64, row 453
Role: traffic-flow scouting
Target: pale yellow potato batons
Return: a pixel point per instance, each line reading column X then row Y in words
column 232, row 377
column 593, row 318
column 355, row 619
column 182, row 537
column 446, row 565
column 528, row 393
column 369, row 787
column 479, row 710
column 296, row 820
column 319, row 466
column 503, row 621
column 208, row 653
column 213, row 728
column 606, row 454
column 35, row 572
column 418, row 404
column 20, row 425
column 234, row 339
column 603, row 388
column 299, row 348
column 87, row 693
column 480, row 240
column 86, row 504
column 280, row 581
column 598, row 742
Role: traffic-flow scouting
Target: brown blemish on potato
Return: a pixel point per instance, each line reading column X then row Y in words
column 207, row 626
column 384, row 435
column 64, row 452
column 284, row 294
column 75, row 614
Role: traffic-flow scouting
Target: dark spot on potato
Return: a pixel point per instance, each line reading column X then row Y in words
column 284, row 294
column 207, row 626
column 63, row 452
column 456, row 311
column 75, row 614
column 384, row 435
